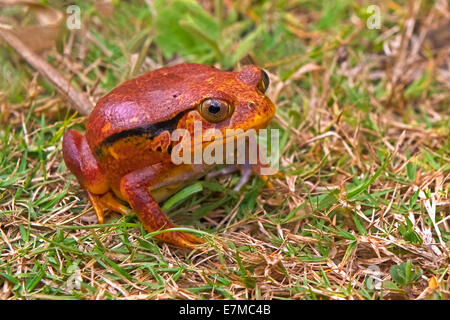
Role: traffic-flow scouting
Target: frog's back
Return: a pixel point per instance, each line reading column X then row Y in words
column 148, row 102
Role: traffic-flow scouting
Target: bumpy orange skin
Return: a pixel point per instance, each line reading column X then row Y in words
column 126, row 148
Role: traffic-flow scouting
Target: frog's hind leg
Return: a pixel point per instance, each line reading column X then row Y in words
column 135, row 188
column 80, row 160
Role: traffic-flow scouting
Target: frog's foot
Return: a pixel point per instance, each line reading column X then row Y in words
column 246, row 173
column 100, row 202
column 224, row 171
column 247, row 170
column 180, row 239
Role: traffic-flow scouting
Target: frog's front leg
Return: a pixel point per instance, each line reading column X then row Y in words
column 135, row 187
column 260, row 168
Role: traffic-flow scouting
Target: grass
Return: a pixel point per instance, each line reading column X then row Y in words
column 364, row 119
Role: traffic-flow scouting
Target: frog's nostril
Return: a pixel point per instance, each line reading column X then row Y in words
column 251, row 104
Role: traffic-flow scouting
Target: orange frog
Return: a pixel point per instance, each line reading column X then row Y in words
column 125, row 154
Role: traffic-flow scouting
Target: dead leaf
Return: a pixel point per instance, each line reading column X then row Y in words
column 46, row 30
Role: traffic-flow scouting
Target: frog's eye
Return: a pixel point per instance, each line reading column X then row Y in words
column 264, row 83
column 214, row 110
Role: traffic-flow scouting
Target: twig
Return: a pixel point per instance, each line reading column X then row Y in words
column 79, row 100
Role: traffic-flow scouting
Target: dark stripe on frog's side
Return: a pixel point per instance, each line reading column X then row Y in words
column 151, row 131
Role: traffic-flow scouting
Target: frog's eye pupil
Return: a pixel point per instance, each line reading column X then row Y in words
column 214, row 109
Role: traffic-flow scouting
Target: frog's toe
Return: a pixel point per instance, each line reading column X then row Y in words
column 181, row 239
column 224, row 171
column 97, row 207
column 246, row 173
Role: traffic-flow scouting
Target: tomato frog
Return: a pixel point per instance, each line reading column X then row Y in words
column 125, row 153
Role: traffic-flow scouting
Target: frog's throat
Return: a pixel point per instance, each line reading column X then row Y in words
column 228, row 138
column 224, row 141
